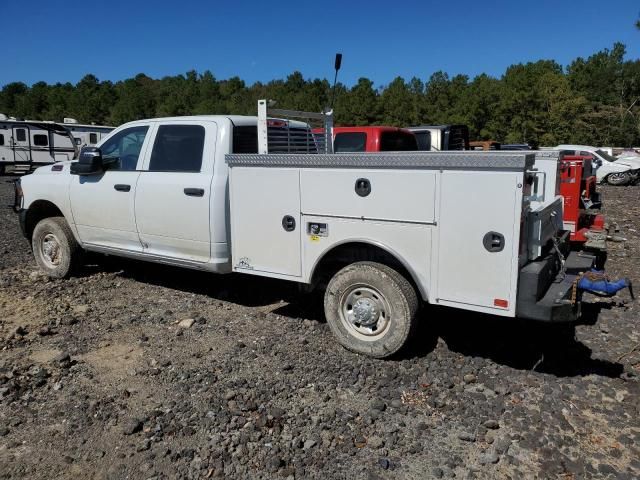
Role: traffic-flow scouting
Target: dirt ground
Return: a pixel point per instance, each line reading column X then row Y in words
column 98, row 379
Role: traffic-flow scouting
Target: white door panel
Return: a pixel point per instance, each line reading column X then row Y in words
column 172, row 223
column 397, row 195
column 172, row 204
column 102, row 214
column 102, row 205
column 261, row 198
column 467, row 272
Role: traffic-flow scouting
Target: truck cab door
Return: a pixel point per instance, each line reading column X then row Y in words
column 103, row 204
column 173, row 197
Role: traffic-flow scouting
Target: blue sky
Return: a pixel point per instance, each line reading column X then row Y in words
column 262, row 40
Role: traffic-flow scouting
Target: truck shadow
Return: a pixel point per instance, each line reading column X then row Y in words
column 520, row 344
column 245, row 290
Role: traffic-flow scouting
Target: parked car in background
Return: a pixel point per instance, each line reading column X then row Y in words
column 609, row 169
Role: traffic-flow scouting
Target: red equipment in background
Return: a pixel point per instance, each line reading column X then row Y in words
column 582, row 203
column 372, row 139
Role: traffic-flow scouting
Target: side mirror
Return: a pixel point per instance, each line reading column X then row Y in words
column 89, row 163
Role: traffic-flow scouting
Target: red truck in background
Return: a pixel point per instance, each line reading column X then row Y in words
column 372, row 139
column 582, row 202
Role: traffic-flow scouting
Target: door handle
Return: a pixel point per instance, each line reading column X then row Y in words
column 194, row 192
column 493, row 242
column 122, row 187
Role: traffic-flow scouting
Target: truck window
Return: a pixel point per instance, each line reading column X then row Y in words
column 424, row 140
column 177, row 148
column 124, row 148
column 40, row 140
column 245, row 139
column 21, row 135
column 397, row 142
column 350, row 142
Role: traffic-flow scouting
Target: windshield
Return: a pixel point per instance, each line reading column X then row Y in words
column 605, row 155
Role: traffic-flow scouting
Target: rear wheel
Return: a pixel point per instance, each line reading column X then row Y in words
column 621, row 178
column 55, row 248
column 371, row 309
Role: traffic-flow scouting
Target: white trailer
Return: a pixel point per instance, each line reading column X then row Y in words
column 381, row 233
column 28, row 144
column 86, row 135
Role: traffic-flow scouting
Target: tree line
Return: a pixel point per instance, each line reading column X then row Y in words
column 594, row 100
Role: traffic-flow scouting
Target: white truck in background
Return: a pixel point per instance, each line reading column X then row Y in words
column 381, row 232
column 438, row 138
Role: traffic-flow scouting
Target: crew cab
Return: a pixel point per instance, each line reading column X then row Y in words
column 381, row 233
column 609, row 169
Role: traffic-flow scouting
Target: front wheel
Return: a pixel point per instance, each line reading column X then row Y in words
column 55, row 248
column 371, row 309
column 621, row 178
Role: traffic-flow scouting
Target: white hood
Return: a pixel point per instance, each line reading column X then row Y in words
column 632, row 162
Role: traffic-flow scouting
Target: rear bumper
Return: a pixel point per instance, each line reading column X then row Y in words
column 546, row 295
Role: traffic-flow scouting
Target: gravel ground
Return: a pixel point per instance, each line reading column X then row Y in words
column 132, row 370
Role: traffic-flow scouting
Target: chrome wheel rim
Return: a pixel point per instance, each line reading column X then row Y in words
column 618, row 177
column 50, row 249
column 365, row 312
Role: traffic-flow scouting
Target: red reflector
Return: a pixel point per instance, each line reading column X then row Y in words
column 499, row 302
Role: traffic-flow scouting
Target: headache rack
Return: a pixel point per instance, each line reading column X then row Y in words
column 292, row 131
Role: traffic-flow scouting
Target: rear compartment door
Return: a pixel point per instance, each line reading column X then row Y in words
column 478, row 209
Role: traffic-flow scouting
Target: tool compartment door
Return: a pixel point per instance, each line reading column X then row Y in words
column 478, row 212
column 265, row 221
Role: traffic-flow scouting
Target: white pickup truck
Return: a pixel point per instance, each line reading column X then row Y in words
column 382, row 233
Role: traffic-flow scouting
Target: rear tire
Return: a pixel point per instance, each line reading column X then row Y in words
column 371, row 309
column 55, row 248
column 622, row 178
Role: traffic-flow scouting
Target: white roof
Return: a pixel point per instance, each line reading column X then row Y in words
column 238, row 120
column 586, row 148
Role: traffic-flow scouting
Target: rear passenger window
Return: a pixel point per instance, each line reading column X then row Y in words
column 177, row 148
column 40, row 140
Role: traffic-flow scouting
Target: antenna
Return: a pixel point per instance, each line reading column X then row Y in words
column 336, row 65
